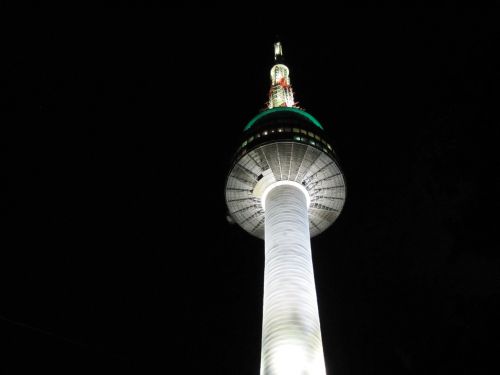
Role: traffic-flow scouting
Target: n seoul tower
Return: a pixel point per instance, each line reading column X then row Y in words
column 285, row 186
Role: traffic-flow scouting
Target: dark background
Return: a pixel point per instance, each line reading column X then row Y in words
column 116, row 254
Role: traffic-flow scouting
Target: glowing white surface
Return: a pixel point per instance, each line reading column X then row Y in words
column 291, row 334
column 285, row 182
column 317, row 171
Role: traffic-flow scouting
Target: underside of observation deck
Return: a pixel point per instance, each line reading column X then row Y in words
column 316, row 170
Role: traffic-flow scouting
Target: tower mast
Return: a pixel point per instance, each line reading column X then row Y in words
column 281, row 93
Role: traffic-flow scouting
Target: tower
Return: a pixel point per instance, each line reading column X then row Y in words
column 285, row 186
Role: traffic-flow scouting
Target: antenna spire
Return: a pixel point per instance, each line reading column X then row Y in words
column 278, row 53
column 281, row 93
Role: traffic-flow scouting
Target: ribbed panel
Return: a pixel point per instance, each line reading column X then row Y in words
column 291, row 336
column 316, row 170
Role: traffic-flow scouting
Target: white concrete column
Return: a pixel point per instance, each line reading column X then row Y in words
column 291, row 335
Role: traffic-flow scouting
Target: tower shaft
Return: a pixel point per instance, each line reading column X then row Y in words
column 291, row 335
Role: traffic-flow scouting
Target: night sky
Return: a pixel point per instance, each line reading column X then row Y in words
column 116, row 253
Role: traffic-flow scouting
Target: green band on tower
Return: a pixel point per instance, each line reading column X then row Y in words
column 283, row 109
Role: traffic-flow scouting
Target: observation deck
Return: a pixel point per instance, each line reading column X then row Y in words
column 284, row 144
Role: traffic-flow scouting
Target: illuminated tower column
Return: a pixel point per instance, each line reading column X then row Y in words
column 291, row 335
column 285, row 186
